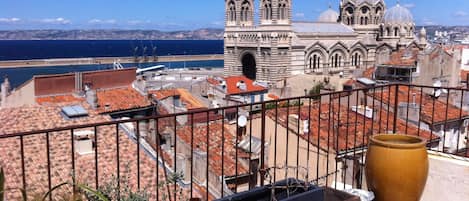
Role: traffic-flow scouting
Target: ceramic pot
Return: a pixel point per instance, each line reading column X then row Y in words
column 396, row 167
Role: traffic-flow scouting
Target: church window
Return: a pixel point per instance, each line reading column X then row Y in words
column 396, row 31
column 349, row 10
column 245, row 11
column 232, row 11
column 267, row 10
column 365, row 10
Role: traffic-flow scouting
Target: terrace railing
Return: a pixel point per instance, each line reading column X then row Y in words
column 320, row 139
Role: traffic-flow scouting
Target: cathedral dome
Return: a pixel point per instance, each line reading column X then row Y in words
column 329, row 16
column 398, row 15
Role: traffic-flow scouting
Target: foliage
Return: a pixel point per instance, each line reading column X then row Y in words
column 117, row 189
column 283, row 104
column 316, row 91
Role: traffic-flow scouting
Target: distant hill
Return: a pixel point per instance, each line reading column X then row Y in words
column 199, row 34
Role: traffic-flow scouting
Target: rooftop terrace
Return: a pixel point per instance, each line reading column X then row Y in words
column 319, row 139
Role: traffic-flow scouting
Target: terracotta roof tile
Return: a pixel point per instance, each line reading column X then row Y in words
column 404, row 57
column 428, row 110
column 109, row 100
column 187, row 98
column 350, row 129
column 215, row 147
column 35, row 155
column 232, row 88
column 120, row 99
column 32, row 118
column 464, row 74
column 368, row 73
column 58, row 99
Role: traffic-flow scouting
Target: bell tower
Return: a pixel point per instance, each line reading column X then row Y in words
column 239, row 13
column 275, row 12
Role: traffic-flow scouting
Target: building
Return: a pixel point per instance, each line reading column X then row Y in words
column 234, row 90
column 361, row 35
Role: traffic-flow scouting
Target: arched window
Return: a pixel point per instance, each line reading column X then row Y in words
column 366, row 20
column 232, row 11
column 361, row 20
column 267, row 10
column 388, row 31
column 315, row 59
column 282, row 9
column 245, row 11
column 396, row 31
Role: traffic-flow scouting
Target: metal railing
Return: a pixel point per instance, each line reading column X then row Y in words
column 320, row 139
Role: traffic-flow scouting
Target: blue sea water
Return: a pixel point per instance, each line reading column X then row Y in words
column 47, row 49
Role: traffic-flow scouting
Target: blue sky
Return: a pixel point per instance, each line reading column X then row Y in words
column 184, row 14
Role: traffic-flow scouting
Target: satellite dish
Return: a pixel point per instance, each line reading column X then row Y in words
column 242, row 121
column 437, row 83
column 437, row 92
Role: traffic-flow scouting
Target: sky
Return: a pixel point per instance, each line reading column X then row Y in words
column 170, row 15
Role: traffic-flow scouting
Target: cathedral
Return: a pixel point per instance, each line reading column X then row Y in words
column 271, row 47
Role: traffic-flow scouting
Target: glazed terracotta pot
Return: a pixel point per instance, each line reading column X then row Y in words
column 396, row 167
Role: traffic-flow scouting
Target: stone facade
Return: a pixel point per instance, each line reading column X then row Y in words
column 276, row 48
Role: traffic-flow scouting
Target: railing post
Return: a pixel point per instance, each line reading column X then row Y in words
column 262, row 172
column 396, row 104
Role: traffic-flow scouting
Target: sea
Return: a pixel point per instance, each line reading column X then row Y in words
column 49, row 49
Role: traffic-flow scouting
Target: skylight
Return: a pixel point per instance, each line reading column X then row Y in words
column 74, row 111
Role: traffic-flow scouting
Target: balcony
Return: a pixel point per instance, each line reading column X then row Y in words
column 220, row 152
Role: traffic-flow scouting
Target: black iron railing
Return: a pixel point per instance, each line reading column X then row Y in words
column 320, row 139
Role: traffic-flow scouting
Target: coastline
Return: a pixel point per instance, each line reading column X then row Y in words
column 106, row 60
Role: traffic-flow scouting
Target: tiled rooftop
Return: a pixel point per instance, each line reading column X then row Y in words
column 35, row 153
column 34, row 118
column 187, row 98
column 430, row 107
column 232, row 85
column 215, row 147
column 348, row 130
column 109, row 100
column 406, row 57
column 121, row 99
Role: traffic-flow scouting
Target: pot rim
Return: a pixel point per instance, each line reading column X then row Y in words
column 412, row 142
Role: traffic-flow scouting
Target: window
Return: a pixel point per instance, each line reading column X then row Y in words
column 232, row 12
column 74, row 111
column 365, row 10
column 267, row 10
column 245, row 11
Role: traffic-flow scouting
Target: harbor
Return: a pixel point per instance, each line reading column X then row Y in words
column 107, row 60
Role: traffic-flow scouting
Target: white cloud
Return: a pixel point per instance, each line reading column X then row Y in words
column 409, row 5
column 138, row 22
column 98, row 21
column 301, row 15
column 58, row 20
column 461, row 14
column 428, row 22
column 9, row 20
column 217, row 23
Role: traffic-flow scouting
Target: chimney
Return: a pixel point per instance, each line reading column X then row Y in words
column 177, row 101
column 79, row 84
column 241, row 85
column 4, row 90
column 92, row 98
column 200, row 166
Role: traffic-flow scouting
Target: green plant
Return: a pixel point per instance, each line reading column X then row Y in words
column 316, row 91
